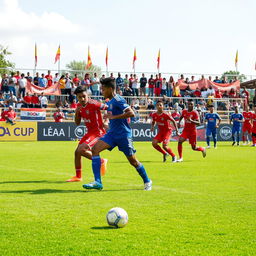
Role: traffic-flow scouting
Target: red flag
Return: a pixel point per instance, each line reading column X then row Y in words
column 89, row 60
column 134, row 58
column 158, row 60
column 57, row 57
column 35, row 55
column 106, row 57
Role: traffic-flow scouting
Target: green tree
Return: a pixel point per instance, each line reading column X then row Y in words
column 5, row 65
column 78, row 67
column 234, row 74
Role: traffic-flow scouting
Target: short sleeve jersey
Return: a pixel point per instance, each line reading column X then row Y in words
column 236, row 118
column 189, row 126
column 163, row 121
column 212, row 119
column 247, row 117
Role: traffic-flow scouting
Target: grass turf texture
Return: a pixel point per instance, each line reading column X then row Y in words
column 198, row 207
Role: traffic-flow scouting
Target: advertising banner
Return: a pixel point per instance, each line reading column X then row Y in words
column 140, row 132
column 32, row 114
column 21, row 131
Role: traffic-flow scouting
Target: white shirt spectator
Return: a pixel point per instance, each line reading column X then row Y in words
column 43, row 100
column 22, row 82
column 135, row 84
column 204, row 94
column 68, row 83
column 210, row 91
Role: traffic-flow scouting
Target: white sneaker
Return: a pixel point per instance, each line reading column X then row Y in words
column 215, row 147
column 174, row 159
column 148, row 185
column 179, row 160
column 208, row 147
column 204, row 152
column 244, row 144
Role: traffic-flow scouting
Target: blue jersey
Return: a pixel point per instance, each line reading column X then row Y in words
column 236, row 118
column 212, row 120
column 119, row 127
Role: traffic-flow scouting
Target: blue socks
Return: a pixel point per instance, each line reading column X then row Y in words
column 96, row 164
column 208, row 140
column 142, row 172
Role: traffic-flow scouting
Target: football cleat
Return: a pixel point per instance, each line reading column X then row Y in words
column 74, row 179
column 204, row 152
column 233, row 143
column 148, row 185
column 93, row 185
column 174, row 159
column 165, row 157
column 179, row 160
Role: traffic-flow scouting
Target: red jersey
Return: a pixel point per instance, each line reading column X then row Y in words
column 49, row 80
column 76, row 80
column 92, row 116
column 73, row 105
column 163, row 121
column 247, row 118
column 9, row 114
column 176, row 116
column 28, row 99
column 253, row 118
column 3, row 116
column 58, row 117
column 34, row 100
column 189, row 127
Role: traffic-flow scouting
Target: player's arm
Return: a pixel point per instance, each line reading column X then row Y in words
column 219, row 121
column 152, row 125
column 194, row 121
column 205, row 120
column 231, row 120
column 181, row 117
column 78, row 116
column 175, row 125
column 241, row 119
column 128, row 112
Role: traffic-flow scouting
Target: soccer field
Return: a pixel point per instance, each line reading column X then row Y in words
column 203, row 206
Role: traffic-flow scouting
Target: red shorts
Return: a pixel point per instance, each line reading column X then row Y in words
column 90, row 139
column 247, row 128
column 190, row 136
column 157, row 91
column 164, row 137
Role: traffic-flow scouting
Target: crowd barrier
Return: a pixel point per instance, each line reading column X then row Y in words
column 50, row 131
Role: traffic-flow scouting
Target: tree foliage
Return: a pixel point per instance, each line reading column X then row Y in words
column 231, row 75
column 79, row 68
column 5, row 65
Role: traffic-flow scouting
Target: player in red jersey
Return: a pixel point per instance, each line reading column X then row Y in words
column 90, row 111
column 247, row 126
column 191, row 118
column 176, row 115
column 253, row 119
column 164, row 134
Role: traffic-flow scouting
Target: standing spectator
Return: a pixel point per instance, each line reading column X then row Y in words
column 43, row 100
column 62, row 83
column 135, row 86
column 86, row 82
column 4, row 84
column 36, row 79
column 76, row 81
column 95, row 85
column 192, row 79
column 187, row 81
column 127, row 91
column 112, row 76
column 151, row 86
column 56, row 78
column 176, row 90
column 130, row 80
column 49, row 78
column 158, row 85
column 164, row 87
column 29, row 77
column 22, row 82
column 73, row 105
column 224, row 80
column 12, row 100
column 10, row 115
column 42, row 82
column 35, row 101
column 170, row 87
column 17, row 76
column 210, row 78
column 12, row 83
column 68, row 87
column 119, row 82
column 143, row 84
column 217, row 80
column 246, row 95
column 126, row 81
column 254, row 99
column 27, row 101
column 58, row 116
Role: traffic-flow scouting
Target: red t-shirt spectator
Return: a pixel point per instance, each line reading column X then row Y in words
column 76, row 80
column 49, row 80
column 34, row 99
column 9, row 114
column 218, row 94
column 27, row 99
column 151, row 83
column 73, row 105
column 197, row 93
column 58, row 117
column 3, row 116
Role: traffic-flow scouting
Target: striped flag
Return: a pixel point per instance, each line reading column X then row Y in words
column 236, row 59
column 134, row 58
column 89, row 60
column 158, row 60
column 35, row 55
column 106, row 57
column 57, row 57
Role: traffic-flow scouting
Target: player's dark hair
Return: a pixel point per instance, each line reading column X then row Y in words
column 211, row 106
column 80, row 89
column 109, row 82
column 190, row 100
column 159, row 101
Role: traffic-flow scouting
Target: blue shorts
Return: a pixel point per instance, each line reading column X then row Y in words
column 236, row 130
column 124, row 144
column 211, row 131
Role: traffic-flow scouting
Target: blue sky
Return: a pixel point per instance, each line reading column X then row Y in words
column 194, row 36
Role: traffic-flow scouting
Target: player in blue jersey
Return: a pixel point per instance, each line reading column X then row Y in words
column 237, row 119
column 211, row 126
column 119, row 135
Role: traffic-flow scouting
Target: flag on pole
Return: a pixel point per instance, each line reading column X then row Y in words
column 106, row 57
column 236, row 59
column 35, row 55
column 57, row 57
column 158, row 60
column 89, row 60
column 134, row 58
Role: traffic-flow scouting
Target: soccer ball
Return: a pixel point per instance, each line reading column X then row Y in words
column 117, row 217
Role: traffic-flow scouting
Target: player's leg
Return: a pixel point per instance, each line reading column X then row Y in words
column 158, row 148
column 81, row 150
column 181, row 140
column 208, row 134
column 166, row 140
column 253, row 139
column 238, row 137
column 233, row 136
column 214, row 136
column 192, row 141
column 243, row 135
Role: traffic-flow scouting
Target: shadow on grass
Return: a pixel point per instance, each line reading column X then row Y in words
column 104, row 227
column 31, row 181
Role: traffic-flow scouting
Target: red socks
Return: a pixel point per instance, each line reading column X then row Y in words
column 170, row 152
column 199, row 149
column 253, row 140
column 79, row 172
column 180, row 150
column 158, row 148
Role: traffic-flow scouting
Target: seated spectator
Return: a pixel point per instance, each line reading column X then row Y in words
column 4, row 84
column 19, row 102
column 197, row 93
column 150, row 105
column 127, row 90
column 204, row 92
column 73, row 105
column 218, row 94
column 65, row 108
column 2, row 101
column 27, row 101
column 225, row 94
column 10, row 115
column 181, row 104
column 119, row 91
column 210, row 90
column 210, row 99
column 43, row 100
column 35, row 101
column 12, row 100
column 187, row 94
column 232, row 93
column 2, row 113
column 58, row 116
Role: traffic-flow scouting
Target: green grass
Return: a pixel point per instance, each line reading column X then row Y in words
column 198, row 207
